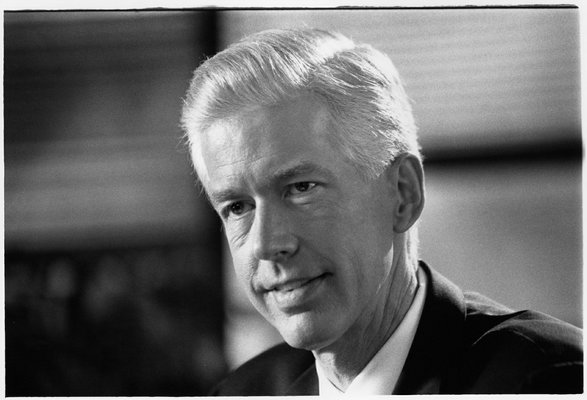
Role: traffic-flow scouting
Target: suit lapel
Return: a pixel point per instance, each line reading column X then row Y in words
column 437, row 346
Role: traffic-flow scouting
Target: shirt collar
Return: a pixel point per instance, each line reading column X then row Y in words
column 380, row 375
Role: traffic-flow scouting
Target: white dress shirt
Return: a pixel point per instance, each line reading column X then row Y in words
column 380, row 375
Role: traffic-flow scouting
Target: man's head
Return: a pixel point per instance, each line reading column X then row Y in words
column 369, row 110
column 306, row 145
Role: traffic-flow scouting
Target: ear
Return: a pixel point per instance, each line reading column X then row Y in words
column 408, row 180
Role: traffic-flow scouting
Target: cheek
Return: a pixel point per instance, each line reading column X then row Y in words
column 354, row 270
column 323, row 227
column 364, row 258
column 246, row 273
column 244, row 266
column 236, row 233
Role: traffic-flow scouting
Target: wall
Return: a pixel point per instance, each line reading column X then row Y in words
column 112, row 284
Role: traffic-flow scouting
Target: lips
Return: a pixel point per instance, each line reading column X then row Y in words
column 290, row 285
column 294, row 293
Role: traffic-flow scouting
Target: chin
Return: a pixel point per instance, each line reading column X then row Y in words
column 308, row 336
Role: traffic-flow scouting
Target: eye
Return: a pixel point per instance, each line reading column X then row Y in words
column 301, row 187
column 237, row 208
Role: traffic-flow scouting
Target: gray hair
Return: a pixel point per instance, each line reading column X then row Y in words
column 369, row 110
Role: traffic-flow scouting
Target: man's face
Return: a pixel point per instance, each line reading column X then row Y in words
column 311, row 239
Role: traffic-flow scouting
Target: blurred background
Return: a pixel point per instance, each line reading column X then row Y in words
column 117, row 279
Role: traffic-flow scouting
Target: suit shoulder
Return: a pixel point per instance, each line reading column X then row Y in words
column 552, row 337
column 487, row 319
column 268, row 374
column 521, row 352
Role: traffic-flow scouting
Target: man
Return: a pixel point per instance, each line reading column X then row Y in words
column 306, row 147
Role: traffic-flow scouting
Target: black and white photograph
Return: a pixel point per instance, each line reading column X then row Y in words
column 292, row 201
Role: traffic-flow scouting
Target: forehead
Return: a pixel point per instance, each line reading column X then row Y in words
column 263, row 138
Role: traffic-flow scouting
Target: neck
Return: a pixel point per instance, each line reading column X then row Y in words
column 343, row 360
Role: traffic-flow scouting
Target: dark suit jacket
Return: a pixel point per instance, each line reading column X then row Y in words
column 465, row 343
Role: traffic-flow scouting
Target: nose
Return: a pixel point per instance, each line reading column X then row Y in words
column 272, row 234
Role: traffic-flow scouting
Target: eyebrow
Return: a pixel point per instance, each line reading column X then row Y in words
column 221, row 196
column 302, row 168
column 281, row 175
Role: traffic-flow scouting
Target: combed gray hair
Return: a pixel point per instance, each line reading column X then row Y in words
column 371, row 115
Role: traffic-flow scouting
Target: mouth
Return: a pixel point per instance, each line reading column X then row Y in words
column 292, row 284
column 295, row 292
